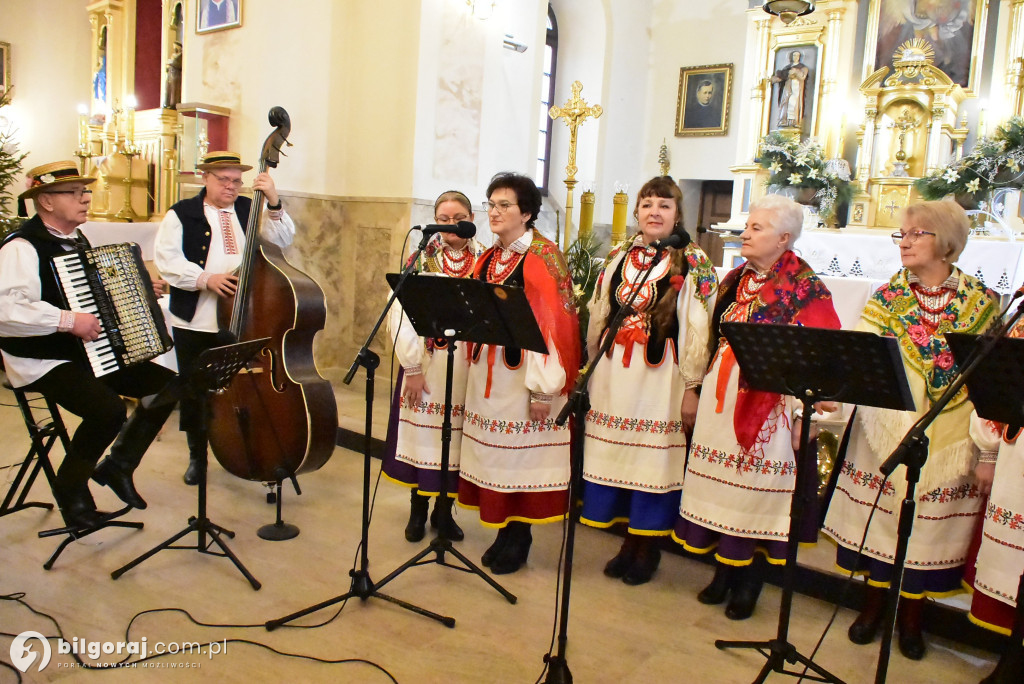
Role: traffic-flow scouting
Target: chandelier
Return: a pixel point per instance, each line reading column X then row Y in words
column 788, row 10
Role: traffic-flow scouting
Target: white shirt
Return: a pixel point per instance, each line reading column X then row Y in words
column 221, row 257
column 22, row 311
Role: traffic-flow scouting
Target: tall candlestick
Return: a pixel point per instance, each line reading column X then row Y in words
column 619, row 209
column 586, row 213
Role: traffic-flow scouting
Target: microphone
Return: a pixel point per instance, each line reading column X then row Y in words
column 464, row 229
column 674, row 240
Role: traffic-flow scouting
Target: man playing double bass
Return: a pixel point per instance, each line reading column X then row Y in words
column 200, row 243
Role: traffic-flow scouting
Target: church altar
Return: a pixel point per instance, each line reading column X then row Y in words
column 869, row 254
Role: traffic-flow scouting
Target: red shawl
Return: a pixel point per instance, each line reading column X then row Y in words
column 548, row 288
column 794, row 295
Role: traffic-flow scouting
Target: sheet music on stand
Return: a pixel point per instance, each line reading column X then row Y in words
column 996, row 387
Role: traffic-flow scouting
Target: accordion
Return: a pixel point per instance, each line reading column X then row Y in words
column 111, row 282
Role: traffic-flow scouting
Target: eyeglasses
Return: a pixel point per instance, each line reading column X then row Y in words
column 78, row 192
column 502, row 206
column 911, row 236
column 442, row 219
column 227, row 182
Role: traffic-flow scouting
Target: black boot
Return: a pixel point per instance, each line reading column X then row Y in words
column 716, row 592
column 415, row 529
column 746, row 587
column 197, row 455
column 127, row 450
column 1011, row 664
column 865, row 627
column 645, row 562
column 495, row 548
column 515, row 551
column 908, row 617
column 452, row 532
column 617, row 566
column 78, row 509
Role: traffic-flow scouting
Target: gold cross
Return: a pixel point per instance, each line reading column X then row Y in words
column 574, row 112
column 893, row 207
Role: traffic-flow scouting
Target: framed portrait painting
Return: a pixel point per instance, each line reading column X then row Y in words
column 5, row 67
column 954, row 28
column 217, row 15
column 702, row 107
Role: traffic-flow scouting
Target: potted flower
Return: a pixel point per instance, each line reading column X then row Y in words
column 802, row 166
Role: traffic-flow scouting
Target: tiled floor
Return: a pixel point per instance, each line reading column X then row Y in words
column 653, row 633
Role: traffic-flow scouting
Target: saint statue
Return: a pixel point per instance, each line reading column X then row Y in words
column 172, row 86
column 793, row 80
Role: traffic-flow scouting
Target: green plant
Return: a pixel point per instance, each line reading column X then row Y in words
column 585, row 267
column 795, row 164
column 10, row 169
column 996, row 162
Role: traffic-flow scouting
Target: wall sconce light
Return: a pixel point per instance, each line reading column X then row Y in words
column 481, row 9
column 788, row 10
column 511, row 43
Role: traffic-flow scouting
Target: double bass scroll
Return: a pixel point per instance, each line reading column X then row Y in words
column 279, row 417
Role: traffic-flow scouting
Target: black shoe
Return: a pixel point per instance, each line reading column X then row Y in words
column 515, row 551
column 452, row 532
column 495, row 548
column 641, row 570
column 112, row 475
column 415, row 529
column 192, row 473
column 79, row 510
column 1010, row 665
column 616, row 568
column 745, row 591
column 716, row 592
column 912, row 645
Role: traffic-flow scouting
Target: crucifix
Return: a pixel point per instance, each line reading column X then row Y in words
column 573, row 112
column 904, row 124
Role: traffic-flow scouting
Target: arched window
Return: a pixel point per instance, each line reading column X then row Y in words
column 547, row 99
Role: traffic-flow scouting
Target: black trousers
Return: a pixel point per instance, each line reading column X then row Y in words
column 98, row 402
column 188, row 345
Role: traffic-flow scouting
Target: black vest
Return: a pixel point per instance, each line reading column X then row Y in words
column 55, row 345
column 195, row 244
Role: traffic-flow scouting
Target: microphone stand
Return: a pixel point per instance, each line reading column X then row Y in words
column 912, row 451
column 578, row 405
column 362, row 585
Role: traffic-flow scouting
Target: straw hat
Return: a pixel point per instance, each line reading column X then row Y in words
column 48, row 176
column 223, row 160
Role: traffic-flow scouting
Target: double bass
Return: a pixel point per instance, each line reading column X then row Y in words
column 279, row 417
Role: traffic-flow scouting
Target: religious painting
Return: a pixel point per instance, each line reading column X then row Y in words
column 794, row 84
column 702, row 107
column 5, row 67
column 954, row 28
column 216, row 15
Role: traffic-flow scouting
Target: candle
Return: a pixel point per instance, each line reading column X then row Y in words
column 982, row 104
column 586, row 213
column 129, row 136
column 619, row 210
column 83, row 127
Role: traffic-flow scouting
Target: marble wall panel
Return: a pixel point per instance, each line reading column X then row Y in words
column 347, row 245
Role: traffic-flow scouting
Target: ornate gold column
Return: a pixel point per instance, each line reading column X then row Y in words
column 760, row 94
column 1015, row 59
column 832, row 99
column 574, row 112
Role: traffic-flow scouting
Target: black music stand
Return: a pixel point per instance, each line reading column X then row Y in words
column 213, row 372
column 464, row 310
column 812, row 364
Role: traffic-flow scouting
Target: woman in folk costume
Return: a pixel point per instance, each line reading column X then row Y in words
column 926, row 299
column 1000, row 558
column 413, row 453
column 741, row 475
column 644, row 395
column 515, row 460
